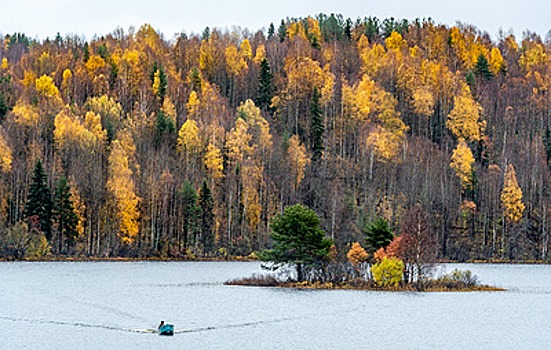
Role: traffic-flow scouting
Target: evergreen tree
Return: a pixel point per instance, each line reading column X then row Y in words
column 547, row 144
column 265, row 86
column 64, row 214
column 482, row 68
column 317, row 128
column 164, row 125
column 39, row 200
column 3, row 107
column 282, row 31
column 271, row 31
column 195, row 78
column 191, row 212
column 378, row 234
column 206, row 204
column 206, row 34
column 348, row 29
column 298, row 239
column 86, row 52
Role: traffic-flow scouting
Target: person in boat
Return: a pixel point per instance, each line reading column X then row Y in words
column 161, row 324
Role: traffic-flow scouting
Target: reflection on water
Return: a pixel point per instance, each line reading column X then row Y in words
column 117, row 305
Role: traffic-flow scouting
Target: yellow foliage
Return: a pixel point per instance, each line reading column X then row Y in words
column 388, row 272
column 358, row 100
column 423, row 102
column 459, row 44
column 296, row 29
column 363, row 43
column 105, row 106
column 5, row 153
column 234, row 60
column 252, row 178
column 258, row 126
column 237, row 141
column 80, row 208
column 313, row 29
column 462, row 162
column 169, row 110
column 156, row 82
column 298, row 159
column 384, row 143
column 45, row 85
column 246, row 50
column 260, row 53
column 303, row 73
column 192, row 105
column 189, row 139
column 533, row 56
column 356, row 255
column 67, row 74
column 206, row 55
column 95, row 62
column 328, row 83
column 29, row 79
column 464, row 119
column 4, row 63
column 25, row 114
column 395, row 42
column 495, row 61
column 511, row 196
column 373, row 59
column 122, row 188
column 214, row 162
column 69, row 130
column 92, row 123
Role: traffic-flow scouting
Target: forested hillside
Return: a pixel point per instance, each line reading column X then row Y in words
column 135, row 144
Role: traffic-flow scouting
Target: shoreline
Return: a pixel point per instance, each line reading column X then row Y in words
column 241, row 258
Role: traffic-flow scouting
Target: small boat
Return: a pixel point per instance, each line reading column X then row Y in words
column 166, row 329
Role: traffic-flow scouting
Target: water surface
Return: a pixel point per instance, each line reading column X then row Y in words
column 111, row 305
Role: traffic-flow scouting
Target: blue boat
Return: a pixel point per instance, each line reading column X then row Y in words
column 166, row 329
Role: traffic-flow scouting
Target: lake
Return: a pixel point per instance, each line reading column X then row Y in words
column 111, row 305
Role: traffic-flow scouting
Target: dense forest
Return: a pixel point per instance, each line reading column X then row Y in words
column 132, row 144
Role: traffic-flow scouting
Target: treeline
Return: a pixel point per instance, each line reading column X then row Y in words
column 134, row 145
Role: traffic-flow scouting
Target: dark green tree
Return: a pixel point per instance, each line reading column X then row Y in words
column 3, row 107
column 378, row 234
column 482, row 68
column 298, row 240
column 64, row 215
column 191, row 213
column 348, row 29
column 271, row 31
column 206, row 204
column 164, row 126
column 195, row 78
column 282, row 31
column 206, row 34
column 265, row 85
column 547, row 144
column 39, row 200
column 317, row 128
column 86, row 52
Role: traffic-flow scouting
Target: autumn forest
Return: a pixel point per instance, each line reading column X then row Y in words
column 132, row 144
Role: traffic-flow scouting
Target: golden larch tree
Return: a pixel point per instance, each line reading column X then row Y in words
column 214, row 162
column 511, row 196
column 189, row 138
column 121, row 186
column 298, row 159
column 5, row 153
column 462, row 161
column 464, row 120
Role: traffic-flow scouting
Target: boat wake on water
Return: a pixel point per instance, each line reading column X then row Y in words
column 140, row 330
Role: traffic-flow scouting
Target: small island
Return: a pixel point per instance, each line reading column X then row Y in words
column 303, row 257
